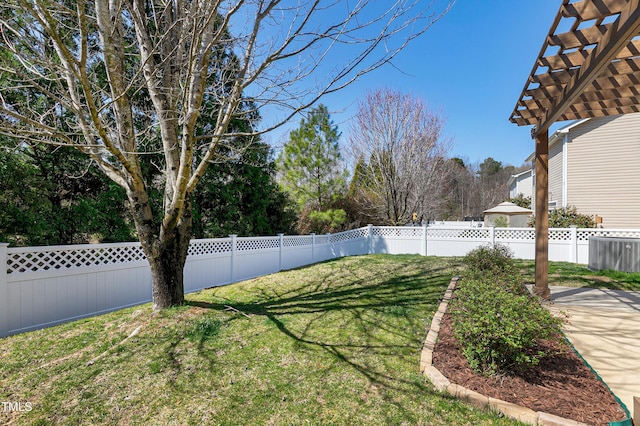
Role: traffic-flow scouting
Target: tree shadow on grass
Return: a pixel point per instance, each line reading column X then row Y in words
column 385, row 317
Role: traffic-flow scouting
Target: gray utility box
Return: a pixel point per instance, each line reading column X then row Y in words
column 617, row 253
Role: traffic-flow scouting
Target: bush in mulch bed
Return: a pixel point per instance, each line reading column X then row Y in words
column 497, row 322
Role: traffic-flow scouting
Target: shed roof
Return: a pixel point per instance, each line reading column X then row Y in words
column 588, row 66
column 508, row 208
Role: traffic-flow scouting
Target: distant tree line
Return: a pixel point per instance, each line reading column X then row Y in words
column 473, row 188
column 399, row 170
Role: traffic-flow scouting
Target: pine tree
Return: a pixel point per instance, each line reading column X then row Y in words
column 310, row 164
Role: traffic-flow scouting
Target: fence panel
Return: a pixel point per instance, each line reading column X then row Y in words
column 521, row 241
column 296, row 251
column 4, row 292
column 42, row 286
column 323, row 250
column 351, row 243
column 208, row 264
column 207, row 271
column 37, row 301
column 398, row 240
column 51, row 285
column 561, row 246
column 455, row 242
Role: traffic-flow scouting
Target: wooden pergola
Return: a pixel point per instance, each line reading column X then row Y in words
column 588, row 66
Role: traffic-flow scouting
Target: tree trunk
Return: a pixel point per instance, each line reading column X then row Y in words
column 166, row 251
column 167, row 272
column 167, row 264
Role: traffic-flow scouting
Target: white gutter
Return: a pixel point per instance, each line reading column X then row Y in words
column 565, row 152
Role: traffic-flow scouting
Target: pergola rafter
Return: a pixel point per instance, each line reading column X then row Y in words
column 588, row 66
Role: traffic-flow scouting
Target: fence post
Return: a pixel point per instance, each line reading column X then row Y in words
column 328, row 242
column 424, row 239
column 4, row 292
column 370, row 235
column 574, row 244
column 233, row 255
column 313, row 247
column 492, row 235
column 280, row 240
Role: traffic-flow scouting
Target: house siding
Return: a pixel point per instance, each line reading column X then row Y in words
column 555, row 173
column 603, row 171
column 521, row 184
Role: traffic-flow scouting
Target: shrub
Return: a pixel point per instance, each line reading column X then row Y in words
column 498, row 324
column 567, row 216
column 521, row 200
column 321, row 222
column 496, row 258
column 501, row 222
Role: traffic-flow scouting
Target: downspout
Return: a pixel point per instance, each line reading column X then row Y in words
column 565, row 152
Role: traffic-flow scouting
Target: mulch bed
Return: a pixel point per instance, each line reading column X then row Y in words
column 561, row 385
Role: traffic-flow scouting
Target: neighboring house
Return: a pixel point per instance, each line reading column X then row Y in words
column 521, row 183
column 594, row 164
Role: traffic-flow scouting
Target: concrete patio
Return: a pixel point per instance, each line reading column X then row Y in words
column 604, row 327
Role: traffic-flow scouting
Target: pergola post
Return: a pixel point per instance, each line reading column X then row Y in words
column 542, row 215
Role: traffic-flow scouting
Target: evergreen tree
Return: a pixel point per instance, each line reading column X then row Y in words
column 242, row 197
column 310, row 164
column 54, row 195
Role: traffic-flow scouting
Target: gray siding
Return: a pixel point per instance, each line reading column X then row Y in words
column 603, row 172
column 555, row 173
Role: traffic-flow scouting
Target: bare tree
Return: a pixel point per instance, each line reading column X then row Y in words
column 119, row 79
column 491, row 183
column 401, row 154
column 458, row 191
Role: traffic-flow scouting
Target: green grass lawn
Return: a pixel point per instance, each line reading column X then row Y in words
column 334, row 343
column 575, row 275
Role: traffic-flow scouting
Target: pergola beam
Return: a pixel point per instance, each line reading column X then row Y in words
column 618, row 35
column 587, row 11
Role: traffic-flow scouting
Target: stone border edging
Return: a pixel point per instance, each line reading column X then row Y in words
column 442, row 384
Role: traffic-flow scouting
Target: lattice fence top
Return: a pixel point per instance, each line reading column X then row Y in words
column 353, row 234
column 297, row 241
column 322, row 239
column 257, row 243
column 398, row 231
column 36, row 260
column 559, row 234
column 584, row 234
column 515, row 234
column 443, row 233
column 474, row 234
column 204, row 247
column 482, row 233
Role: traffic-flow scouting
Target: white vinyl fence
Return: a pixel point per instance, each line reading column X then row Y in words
column 43, row 286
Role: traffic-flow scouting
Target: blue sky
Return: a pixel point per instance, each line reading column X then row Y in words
column 471, row 66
